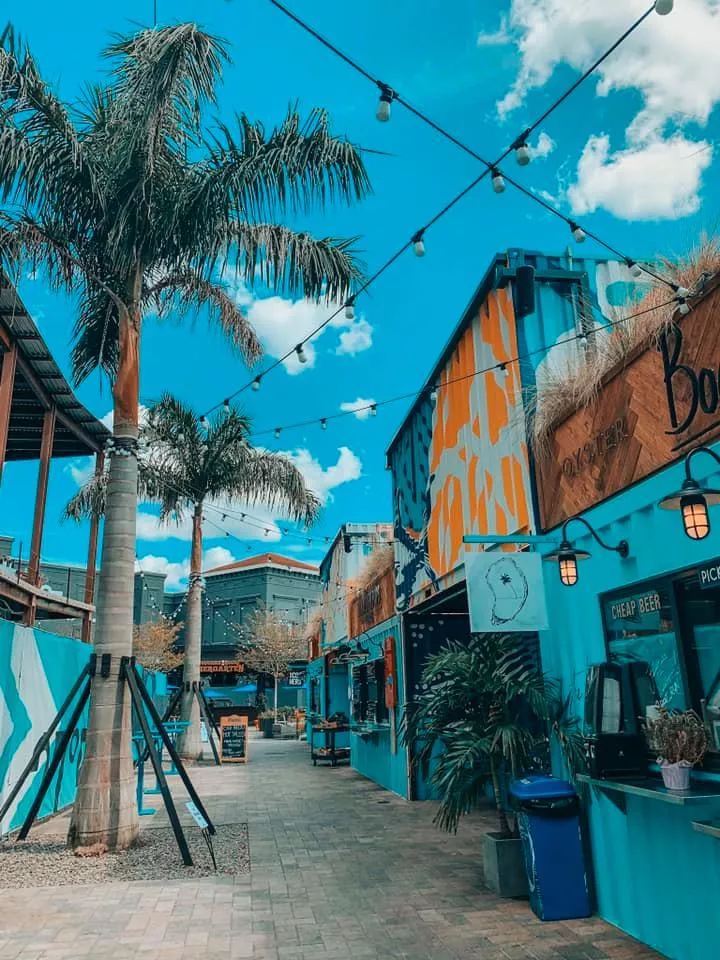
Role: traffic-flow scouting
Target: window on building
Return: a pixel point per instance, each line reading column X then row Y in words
column 368, row 693
column 665, row 635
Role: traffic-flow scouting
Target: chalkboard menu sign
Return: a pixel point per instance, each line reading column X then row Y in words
column 233, row 739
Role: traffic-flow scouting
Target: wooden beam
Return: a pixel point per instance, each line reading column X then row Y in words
column 46, row 446
column 7, row 382
column 92, row 555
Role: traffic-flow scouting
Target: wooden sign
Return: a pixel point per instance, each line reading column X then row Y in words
column 233, row 739
column 654, row 407
column 373, row 604
column 222, row 666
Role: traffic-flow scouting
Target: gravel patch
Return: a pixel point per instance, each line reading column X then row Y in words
column 47, row 862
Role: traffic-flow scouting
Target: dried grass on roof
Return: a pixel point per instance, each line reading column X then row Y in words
column 376, row 566
column 576, row 383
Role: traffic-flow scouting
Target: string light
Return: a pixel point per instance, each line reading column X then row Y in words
column 498, row 181
column 522, row 153
column 683, row 307
column 256, row 382
column 635, row 269
column 373, row 409
column 663, row 7
column 350, row 309
column 302, row 357
column 204, row 423
column 383, row 108
column 583, row 341
column 394, row 96
column 418, row 242
column 681, row 293
column 277, row 433
column 323, row 423
column 226, row 405
column 579, row 235
column 503, row 368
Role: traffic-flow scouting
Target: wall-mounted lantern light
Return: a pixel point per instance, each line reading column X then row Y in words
column 567, row 556
column 692, row 500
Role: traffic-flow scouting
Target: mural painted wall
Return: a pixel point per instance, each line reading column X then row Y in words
column 460, row 463
column 37, row 670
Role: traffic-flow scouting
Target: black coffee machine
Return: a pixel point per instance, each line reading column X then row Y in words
column 616, row 696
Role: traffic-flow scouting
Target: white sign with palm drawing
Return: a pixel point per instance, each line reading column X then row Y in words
column 506, row 592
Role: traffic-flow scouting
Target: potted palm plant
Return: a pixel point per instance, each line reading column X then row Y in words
column 486, row 713
column 680, row 741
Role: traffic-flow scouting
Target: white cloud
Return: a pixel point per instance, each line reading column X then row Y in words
column 177, row 573
column 496, row 38
column 356, row 339
column 669, row 61
column 654, row 181
column 360, row 407
column 543, row 148
column 322, row 481
column 280, row 323
column 81, row 469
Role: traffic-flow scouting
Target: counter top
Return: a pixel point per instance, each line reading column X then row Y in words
column 699, row 792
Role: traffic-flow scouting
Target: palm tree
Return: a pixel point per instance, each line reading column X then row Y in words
column 127, row 202
column 485, row 712
column 185, row 466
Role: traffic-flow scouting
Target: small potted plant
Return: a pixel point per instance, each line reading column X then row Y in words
column 680, row 741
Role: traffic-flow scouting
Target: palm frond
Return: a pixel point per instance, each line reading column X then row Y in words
column 187, row 289
column 300, row 163
column 296, row 263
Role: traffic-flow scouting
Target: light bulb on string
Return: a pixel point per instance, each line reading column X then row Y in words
column 683, row 307
column 578, row 233
column 635, row 269
column 373, row 409
column 386, row 98
column 583, row 341
column 226, row 406
column 301, row 355
column 418, row 242
column 522, row 154
column 498, row 181
column 681, row 292
column 323, row 423
column 256, row 382
column 664, row 7
column 277, row 433
column 350, row 309
column 503, row 368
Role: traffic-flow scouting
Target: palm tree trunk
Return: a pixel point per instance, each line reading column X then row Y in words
column 190, row 743
column 105, row 809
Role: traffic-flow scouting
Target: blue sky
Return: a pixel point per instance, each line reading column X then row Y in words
column 630, row 155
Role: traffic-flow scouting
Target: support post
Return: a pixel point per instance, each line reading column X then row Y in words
column 55, row 761
column 46, row 446
column 43, row 742
column 156, row 719
column 209, row 724
column 7, row 382
column 89, row 596
column 132, row 680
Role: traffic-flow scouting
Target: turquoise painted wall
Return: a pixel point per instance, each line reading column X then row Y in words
column 37, row 671
column 656, row 878
column 372, row 755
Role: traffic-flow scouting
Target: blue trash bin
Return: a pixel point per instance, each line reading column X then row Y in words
column 549, row 825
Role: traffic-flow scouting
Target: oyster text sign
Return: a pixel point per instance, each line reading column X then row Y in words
column 506, row 592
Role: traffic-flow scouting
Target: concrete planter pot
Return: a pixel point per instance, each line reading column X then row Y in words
column 267, row 725
column 504, row 865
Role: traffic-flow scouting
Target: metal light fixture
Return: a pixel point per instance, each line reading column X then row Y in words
column 693, row 500
column 567, row 556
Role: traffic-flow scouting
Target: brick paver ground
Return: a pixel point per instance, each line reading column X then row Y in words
column 340, row 869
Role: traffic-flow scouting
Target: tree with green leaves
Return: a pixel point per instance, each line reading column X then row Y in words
column 184, row 466
column 129, row 202
column 484, row 713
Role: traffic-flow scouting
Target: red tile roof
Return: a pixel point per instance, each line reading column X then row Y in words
column 264, row 559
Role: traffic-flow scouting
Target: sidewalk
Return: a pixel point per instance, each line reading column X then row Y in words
column 340, row 869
